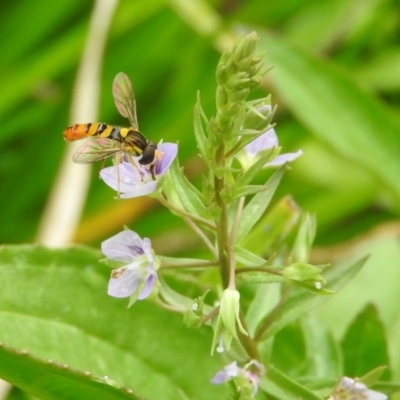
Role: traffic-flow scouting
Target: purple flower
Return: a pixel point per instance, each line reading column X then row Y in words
column 232, row 371
column 137, row 278
column 229, row 372
column 134, row 182
column 269, row 140
column 352, row 389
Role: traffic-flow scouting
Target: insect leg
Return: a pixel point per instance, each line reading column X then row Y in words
column 133, row 162
column 118, row 159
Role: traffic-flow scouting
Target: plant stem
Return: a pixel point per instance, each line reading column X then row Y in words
column 183, row 213
column 258, row 269
column 204, row 264
column 202, row 236
column 210, row 315
column 247, row 342
column 270, row 318
column 222, row 224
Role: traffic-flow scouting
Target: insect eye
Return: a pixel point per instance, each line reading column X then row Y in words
column 148, row 153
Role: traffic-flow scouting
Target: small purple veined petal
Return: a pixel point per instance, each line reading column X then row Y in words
column 169, row 150
column 124, row 246
column 130, row 182
column 128, row 175
column 284, row 158
column 148, row 287
column 230, row 371
column 267, row 140
column 146, row 244
column 127, row 283
column 139, row 190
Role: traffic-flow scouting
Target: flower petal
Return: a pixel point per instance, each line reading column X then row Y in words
column 284, row 158
column 230, row 371
column 125, row 284
column 121, row 178
column 169, row 150
column 140, row 190
column 267, row 140
column 148, row 287
column 124, row 246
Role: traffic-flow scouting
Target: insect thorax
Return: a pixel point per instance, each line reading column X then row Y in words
column 134, row 138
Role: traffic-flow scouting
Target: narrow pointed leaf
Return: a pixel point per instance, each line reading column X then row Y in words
column 279, row 385
column 257, row 205
column 199, row 134
column 248, row 258
column 262, row 158
column 186, row 193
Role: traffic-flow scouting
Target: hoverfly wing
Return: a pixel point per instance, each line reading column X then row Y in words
column 125, row 99
column 96, row 149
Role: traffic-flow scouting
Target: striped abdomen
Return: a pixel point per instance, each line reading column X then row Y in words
column 80, row 131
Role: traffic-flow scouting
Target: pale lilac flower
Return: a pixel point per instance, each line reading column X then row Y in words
column 135, row 182
column 232, row 371
column 351, row 389
column 269, row 140
column 137, row 278
column 229, row 372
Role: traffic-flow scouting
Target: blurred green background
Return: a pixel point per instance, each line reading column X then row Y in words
column 335, row 78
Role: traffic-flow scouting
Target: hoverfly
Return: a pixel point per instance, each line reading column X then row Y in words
column 107, row 140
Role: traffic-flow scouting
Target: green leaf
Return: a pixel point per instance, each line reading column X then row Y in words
column 177, row 300
column 369, row 350
column 349, row 119
column 301, row 271
column 323, row 354
column 199, row 134
column 180, row 190
column 247, row 190
column 257, row 205
column 262, row 158
column 181, row 262
column 279, row 385
column 370, row 378
column 260, row 277
column 51, row 381
column 248, row 258
column 304, row 239
column 55, row 305
column 264, row 299
column 274, row 227
column 301, row 301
